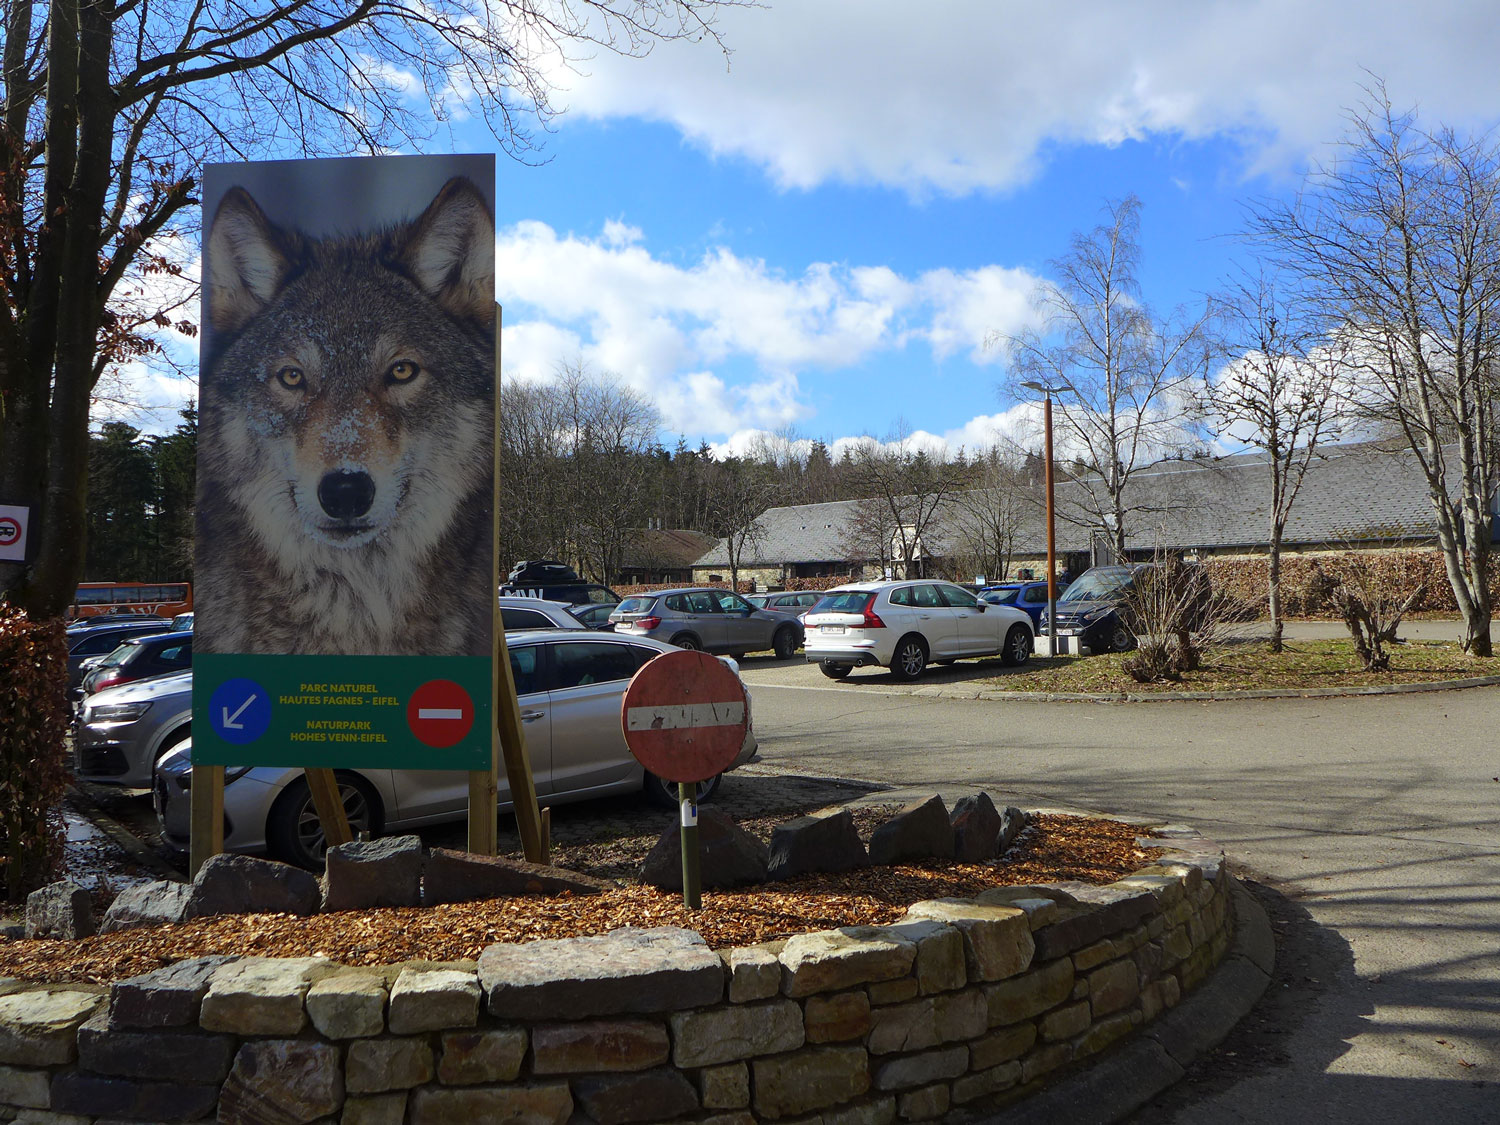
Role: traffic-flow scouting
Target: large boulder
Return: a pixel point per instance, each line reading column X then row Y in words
column 367, row 873
column 59, row 910
column 242, row 884
column 919, row 831
column 821, row 842
column 150, row 904
column 976, row 829
column 451, row 876
column 728, row 856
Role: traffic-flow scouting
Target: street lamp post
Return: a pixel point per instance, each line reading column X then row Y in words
column 1047, row 393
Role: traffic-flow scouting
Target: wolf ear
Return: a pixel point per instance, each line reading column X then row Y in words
column 451, row 252
column 247, row 261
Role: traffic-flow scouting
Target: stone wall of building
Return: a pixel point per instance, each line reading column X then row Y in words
column 963, row 1003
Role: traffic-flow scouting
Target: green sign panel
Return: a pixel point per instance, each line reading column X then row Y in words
column 373, row 712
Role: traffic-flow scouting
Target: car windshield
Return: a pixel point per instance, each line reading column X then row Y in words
column 635, row 605
column 1098, row 585
column 842, row 601
column 1001, row 597
column 757, row 600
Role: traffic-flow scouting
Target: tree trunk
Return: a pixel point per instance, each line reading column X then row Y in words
column 1273, row 592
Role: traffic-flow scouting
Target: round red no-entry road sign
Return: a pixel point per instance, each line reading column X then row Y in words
column 440, row 713
column 685, row 715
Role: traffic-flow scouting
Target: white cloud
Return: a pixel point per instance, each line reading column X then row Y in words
column 967, row 95
column 684, row 334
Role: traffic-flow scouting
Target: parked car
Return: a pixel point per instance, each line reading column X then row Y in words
column 571, row 684
column 86, row 643
column 122, row 731
column 1096, row 607
column 141, row 658
column 906, row 625
column 182, row 621
column 709, row 619
column 571, row 593
column 536, row 613
column 1030, row 596
column 795, row 602
column 596, row 616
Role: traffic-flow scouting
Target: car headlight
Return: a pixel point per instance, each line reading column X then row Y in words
column 116, row 712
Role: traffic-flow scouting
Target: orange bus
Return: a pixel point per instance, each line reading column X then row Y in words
column 164, row 599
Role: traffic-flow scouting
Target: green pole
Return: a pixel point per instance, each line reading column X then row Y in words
column 692, row 879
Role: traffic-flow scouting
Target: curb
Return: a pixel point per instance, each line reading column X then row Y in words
column 1200, row 696
column 1119, row 1084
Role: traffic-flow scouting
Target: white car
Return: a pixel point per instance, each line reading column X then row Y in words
column 904, row 626
column 570, row 684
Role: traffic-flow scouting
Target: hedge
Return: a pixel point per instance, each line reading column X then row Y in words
column 1245, row 578
column 33, row 766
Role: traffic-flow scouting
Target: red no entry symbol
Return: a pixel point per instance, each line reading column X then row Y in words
column 684, row 716
column 440, row 713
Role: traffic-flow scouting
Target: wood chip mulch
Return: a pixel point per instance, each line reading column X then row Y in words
column 1053, row 848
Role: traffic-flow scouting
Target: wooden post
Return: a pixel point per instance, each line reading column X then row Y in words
column 330, row 806
column 508, row 740
column 206, row 816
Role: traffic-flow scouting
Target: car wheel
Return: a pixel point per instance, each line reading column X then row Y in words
column 663, row 793
column 294, row 833
column 910, row 658
column 1017, row 646
column 1121, row 639
column 784, row 643
column 688, row 641
column 834, row 671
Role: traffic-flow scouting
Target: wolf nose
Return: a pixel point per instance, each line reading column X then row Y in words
column 346, row 495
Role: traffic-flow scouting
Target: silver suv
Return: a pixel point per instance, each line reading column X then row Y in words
column 708, row 619
column 122, row 731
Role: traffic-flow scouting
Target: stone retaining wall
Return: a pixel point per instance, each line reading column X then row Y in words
column 963, row 1004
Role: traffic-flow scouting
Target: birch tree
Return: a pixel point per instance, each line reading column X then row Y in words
column 1280, row 392
column 1122, row 376
column 1399, row 237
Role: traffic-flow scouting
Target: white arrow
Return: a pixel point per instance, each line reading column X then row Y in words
column 229, row 720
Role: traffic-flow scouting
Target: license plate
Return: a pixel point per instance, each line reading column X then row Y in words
column 1069, row 632
column 828, row 629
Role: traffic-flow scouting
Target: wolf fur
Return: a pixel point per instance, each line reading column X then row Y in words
column 347, row 435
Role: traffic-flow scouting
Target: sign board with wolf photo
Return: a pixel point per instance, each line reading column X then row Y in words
column 345, row 567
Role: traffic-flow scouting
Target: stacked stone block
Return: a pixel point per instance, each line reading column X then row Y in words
column 962, row 1004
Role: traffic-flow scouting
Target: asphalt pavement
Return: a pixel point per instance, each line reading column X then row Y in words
column 1370, row 825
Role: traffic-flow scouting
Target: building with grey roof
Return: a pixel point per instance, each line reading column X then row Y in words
column 1361, row 495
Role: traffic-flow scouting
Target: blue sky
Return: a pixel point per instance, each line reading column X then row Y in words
column 819, row 236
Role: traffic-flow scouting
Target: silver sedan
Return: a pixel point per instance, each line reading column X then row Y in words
column 570, row 684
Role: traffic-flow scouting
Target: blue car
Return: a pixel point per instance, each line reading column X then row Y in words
column 1029, row 596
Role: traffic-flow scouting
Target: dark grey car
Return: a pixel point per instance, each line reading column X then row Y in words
column 706, row 618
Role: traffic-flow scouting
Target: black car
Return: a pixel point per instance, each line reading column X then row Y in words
column 85, row 644
column 141, row 658
column 1097, row 607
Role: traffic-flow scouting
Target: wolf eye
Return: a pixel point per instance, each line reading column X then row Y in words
column 402, row 371
column 291, row 377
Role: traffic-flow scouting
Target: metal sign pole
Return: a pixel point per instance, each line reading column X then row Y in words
column 692, row 876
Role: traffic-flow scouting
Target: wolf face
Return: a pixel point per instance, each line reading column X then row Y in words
column 348, row 432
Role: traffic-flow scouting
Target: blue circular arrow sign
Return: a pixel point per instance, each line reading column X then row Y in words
column 239, row 711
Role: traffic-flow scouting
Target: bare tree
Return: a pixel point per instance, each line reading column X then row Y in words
column 1280, row 393
column 869, row 533
column 1400, row 237
column 1122, row 377
column 914, row 486
column 743, row 490
column 986, row 519
column 109, row 109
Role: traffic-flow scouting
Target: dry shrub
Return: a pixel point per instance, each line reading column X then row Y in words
column 1372, row 596
column 1177, row 615
column 33, row 768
